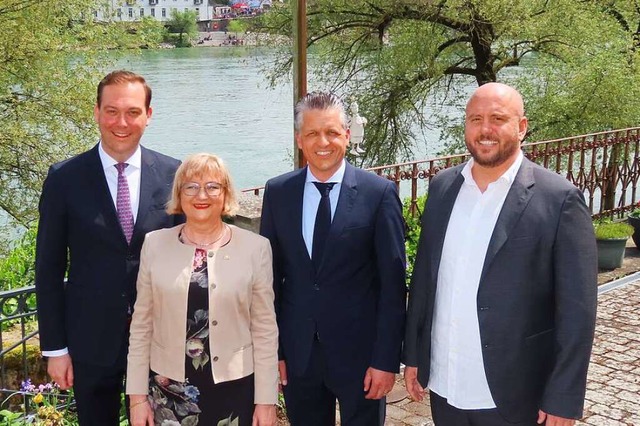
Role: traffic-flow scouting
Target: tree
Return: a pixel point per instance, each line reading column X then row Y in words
column 53, row 56
column 237, row 26
column 184, row 24
column 405, row 61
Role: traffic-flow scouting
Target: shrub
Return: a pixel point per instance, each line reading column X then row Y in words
column 612, row 230
column 17, row 269
column 412, row 229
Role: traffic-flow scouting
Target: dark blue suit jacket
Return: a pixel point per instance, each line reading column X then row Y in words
column 537, row 296
column 79, row 235
column 356, row 300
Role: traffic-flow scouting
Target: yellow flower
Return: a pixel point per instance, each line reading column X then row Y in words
column 38, row 398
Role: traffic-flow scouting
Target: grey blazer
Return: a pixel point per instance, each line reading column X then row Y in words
column 536, row 301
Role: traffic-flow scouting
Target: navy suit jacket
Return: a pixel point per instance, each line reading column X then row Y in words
column 536, row 301
column 356, row 300
column 79, row 235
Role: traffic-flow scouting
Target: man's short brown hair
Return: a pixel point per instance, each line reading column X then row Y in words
column 122, row 77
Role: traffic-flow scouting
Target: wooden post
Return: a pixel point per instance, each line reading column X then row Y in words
column 299, row 11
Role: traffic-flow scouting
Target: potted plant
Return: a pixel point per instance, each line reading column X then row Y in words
column 611, row 238
column 634, row 220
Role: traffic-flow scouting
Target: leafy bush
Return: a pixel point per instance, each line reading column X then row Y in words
column 635, row 213
column 17, row 269
column 612, row 230
column 412, row 232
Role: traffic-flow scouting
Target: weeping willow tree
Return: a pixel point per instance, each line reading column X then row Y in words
column 52, row 54
column 410, row 63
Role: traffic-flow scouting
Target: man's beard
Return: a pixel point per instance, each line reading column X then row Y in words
column 504, row 153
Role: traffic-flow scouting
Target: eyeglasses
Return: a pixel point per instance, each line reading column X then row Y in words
column 213, row 189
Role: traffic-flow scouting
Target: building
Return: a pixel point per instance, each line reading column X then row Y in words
column 134, row 10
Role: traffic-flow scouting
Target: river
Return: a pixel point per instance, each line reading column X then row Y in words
column 217, row 99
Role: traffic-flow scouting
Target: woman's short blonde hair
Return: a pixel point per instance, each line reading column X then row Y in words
column 195, row 167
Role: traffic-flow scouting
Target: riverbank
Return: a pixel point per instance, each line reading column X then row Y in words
column 228, row 38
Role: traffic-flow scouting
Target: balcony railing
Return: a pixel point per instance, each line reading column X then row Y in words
column 605, row 166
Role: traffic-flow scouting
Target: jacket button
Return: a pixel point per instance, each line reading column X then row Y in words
column 214, row 322
column 210, row 253
column 213, row 286
column 215, row 359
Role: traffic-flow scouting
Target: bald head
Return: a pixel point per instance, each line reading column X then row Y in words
column 494, row 127
column 507, row 95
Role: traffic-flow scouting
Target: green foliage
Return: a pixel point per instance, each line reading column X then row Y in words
column 184, row 24
column 635, row 213
column 53, row 55
column 149, row 32
column 411, row 64
column 612, row 230
column 17, row 269
column 237, row 26
column 413, row 229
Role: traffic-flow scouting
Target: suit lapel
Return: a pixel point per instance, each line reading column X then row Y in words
column 96, row 179
column 517, row 199
column 148, row 181
column 293, row 199
column 441, row 220
column 346, row 200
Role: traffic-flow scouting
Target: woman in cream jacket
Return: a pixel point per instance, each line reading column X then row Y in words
column 203, row 344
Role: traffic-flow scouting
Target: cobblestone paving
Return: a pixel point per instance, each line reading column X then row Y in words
column 613, row 388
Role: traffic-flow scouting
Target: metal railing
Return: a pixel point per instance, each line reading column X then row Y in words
column 605, row 166
column 17, row 311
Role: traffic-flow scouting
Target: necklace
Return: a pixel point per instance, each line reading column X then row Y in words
column 204, row 245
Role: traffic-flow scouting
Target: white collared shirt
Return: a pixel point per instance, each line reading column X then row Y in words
column 457, row 370
column 132, row 173
column 311, row 200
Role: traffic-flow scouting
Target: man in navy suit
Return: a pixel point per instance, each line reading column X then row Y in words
column 503, row 295
column 339, row 268
column 95, row 210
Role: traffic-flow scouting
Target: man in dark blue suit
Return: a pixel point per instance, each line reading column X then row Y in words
column 95, row 210
column 339, row 268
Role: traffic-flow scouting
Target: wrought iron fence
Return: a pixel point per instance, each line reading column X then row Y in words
column 605, row 166
column 17, row 313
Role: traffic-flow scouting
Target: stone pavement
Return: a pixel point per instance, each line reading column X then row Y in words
column 613, row 388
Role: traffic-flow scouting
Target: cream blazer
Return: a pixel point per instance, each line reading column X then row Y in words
column 243, row 335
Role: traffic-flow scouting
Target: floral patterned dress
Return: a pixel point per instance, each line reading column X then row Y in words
column 200, row 401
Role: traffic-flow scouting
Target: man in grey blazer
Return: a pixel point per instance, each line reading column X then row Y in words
column 503, row 298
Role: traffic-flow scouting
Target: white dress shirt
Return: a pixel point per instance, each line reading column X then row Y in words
column 132, row 173
column 457, row 370
column 311, row 200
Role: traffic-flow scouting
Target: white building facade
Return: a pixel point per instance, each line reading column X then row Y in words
column 134, row 10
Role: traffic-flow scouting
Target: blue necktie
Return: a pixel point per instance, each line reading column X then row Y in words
column 322, row 224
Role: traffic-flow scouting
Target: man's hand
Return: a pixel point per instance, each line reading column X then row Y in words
column 140, row 411
column 552, row 420
column 378, row 383
column 411, row 382
column 61, row 370
column 282, row 371
column 263, row 415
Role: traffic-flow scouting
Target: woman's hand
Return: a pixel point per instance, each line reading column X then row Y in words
column 263, row 415
column 140, row 412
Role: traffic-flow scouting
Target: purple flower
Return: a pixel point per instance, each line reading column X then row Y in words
column 27, row 386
